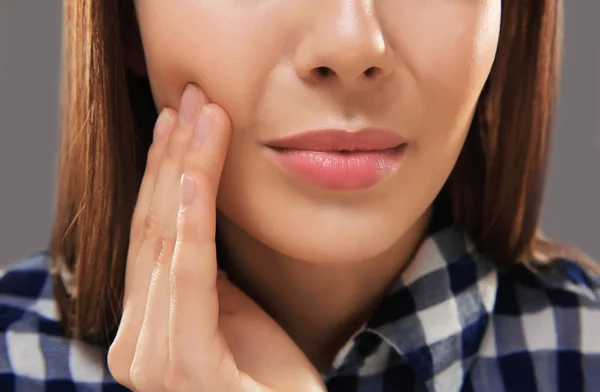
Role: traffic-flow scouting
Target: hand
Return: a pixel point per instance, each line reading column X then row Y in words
column 184, row 327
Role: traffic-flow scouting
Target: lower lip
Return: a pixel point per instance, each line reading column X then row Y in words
column 340, row 170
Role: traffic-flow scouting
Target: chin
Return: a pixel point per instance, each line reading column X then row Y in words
column 259, row 208
column 322, row 237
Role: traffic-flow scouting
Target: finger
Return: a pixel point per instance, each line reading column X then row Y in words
column 162, row 130
column 120, row 354
column 151, row 215
column 194, row 267
column 197, row 350
column 151, row 353
column 199, row 355
column 207, row 154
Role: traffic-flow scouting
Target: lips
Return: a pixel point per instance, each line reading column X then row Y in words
column 340, row 160
column 338, row 140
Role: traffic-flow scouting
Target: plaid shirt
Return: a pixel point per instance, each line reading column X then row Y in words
column 453, row 322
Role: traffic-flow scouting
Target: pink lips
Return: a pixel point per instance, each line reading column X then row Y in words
column 336, row 159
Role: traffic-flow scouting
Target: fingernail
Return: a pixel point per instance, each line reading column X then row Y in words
column 203, row 126
column 162, row 123
column 188, row 105
column 187, row 190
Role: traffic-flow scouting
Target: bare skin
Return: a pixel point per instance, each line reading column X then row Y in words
column 315, row 260
column 184, row 327
column 292, row 243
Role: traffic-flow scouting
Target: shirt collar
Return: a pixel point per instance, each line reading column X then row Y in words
column 435, row 316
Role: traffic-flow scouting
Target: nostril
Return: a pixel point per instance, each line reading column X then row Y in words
column 372, row 71
column 324, row 71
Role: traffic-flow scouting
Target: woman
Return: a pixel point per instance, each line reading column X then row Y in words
column 367, row 175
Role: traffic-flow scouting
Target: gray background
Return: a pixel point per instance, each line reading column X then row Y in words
column 30, row 33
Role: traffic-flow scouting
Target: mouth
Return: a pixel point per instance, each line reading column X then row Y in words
column 339, row 160
column 338, row 140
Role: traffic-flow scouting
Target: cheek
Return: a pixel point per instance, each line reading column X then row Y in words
column 451, row 46
column 213, row 44
column 445, row 51
column 448, row 50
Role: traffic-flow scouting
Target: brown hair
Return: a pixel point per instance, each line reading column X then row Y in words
column 494, row 192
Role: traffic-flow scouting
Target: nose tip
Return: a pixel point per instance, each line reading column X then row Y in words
column 345, row 56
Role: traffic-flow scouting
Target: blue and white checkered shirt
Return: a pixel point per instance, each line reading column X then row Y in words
column 453, row 322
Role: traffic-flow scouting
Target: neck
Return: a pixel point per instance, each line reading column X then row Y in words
column 319, row 304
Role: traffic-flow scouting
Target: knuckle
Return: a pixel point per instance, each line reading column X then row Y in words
column 154, row 157
column 178, row 377
column 181, row 271
column 198, row 225
column 189, row 273
column 165, row 248
column 174, row 382
column 184, row 274
column 152, row 224
column 204, row 184
column 188, row 229
column 173, row 151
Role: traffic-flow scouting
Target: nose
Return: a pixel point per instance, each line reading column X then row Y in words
column 345, row 45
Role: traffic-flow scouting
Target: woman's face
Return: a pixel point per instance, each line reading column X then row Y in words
column 282, row 67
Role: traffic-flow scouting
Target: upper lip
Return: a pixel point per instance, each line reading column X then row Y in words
column 340, row 140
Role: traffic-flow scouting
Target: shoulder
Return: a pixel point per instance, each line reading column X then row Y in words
column 561, row 287
column 26, row 299
column 35, row 355
column 543, row 332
